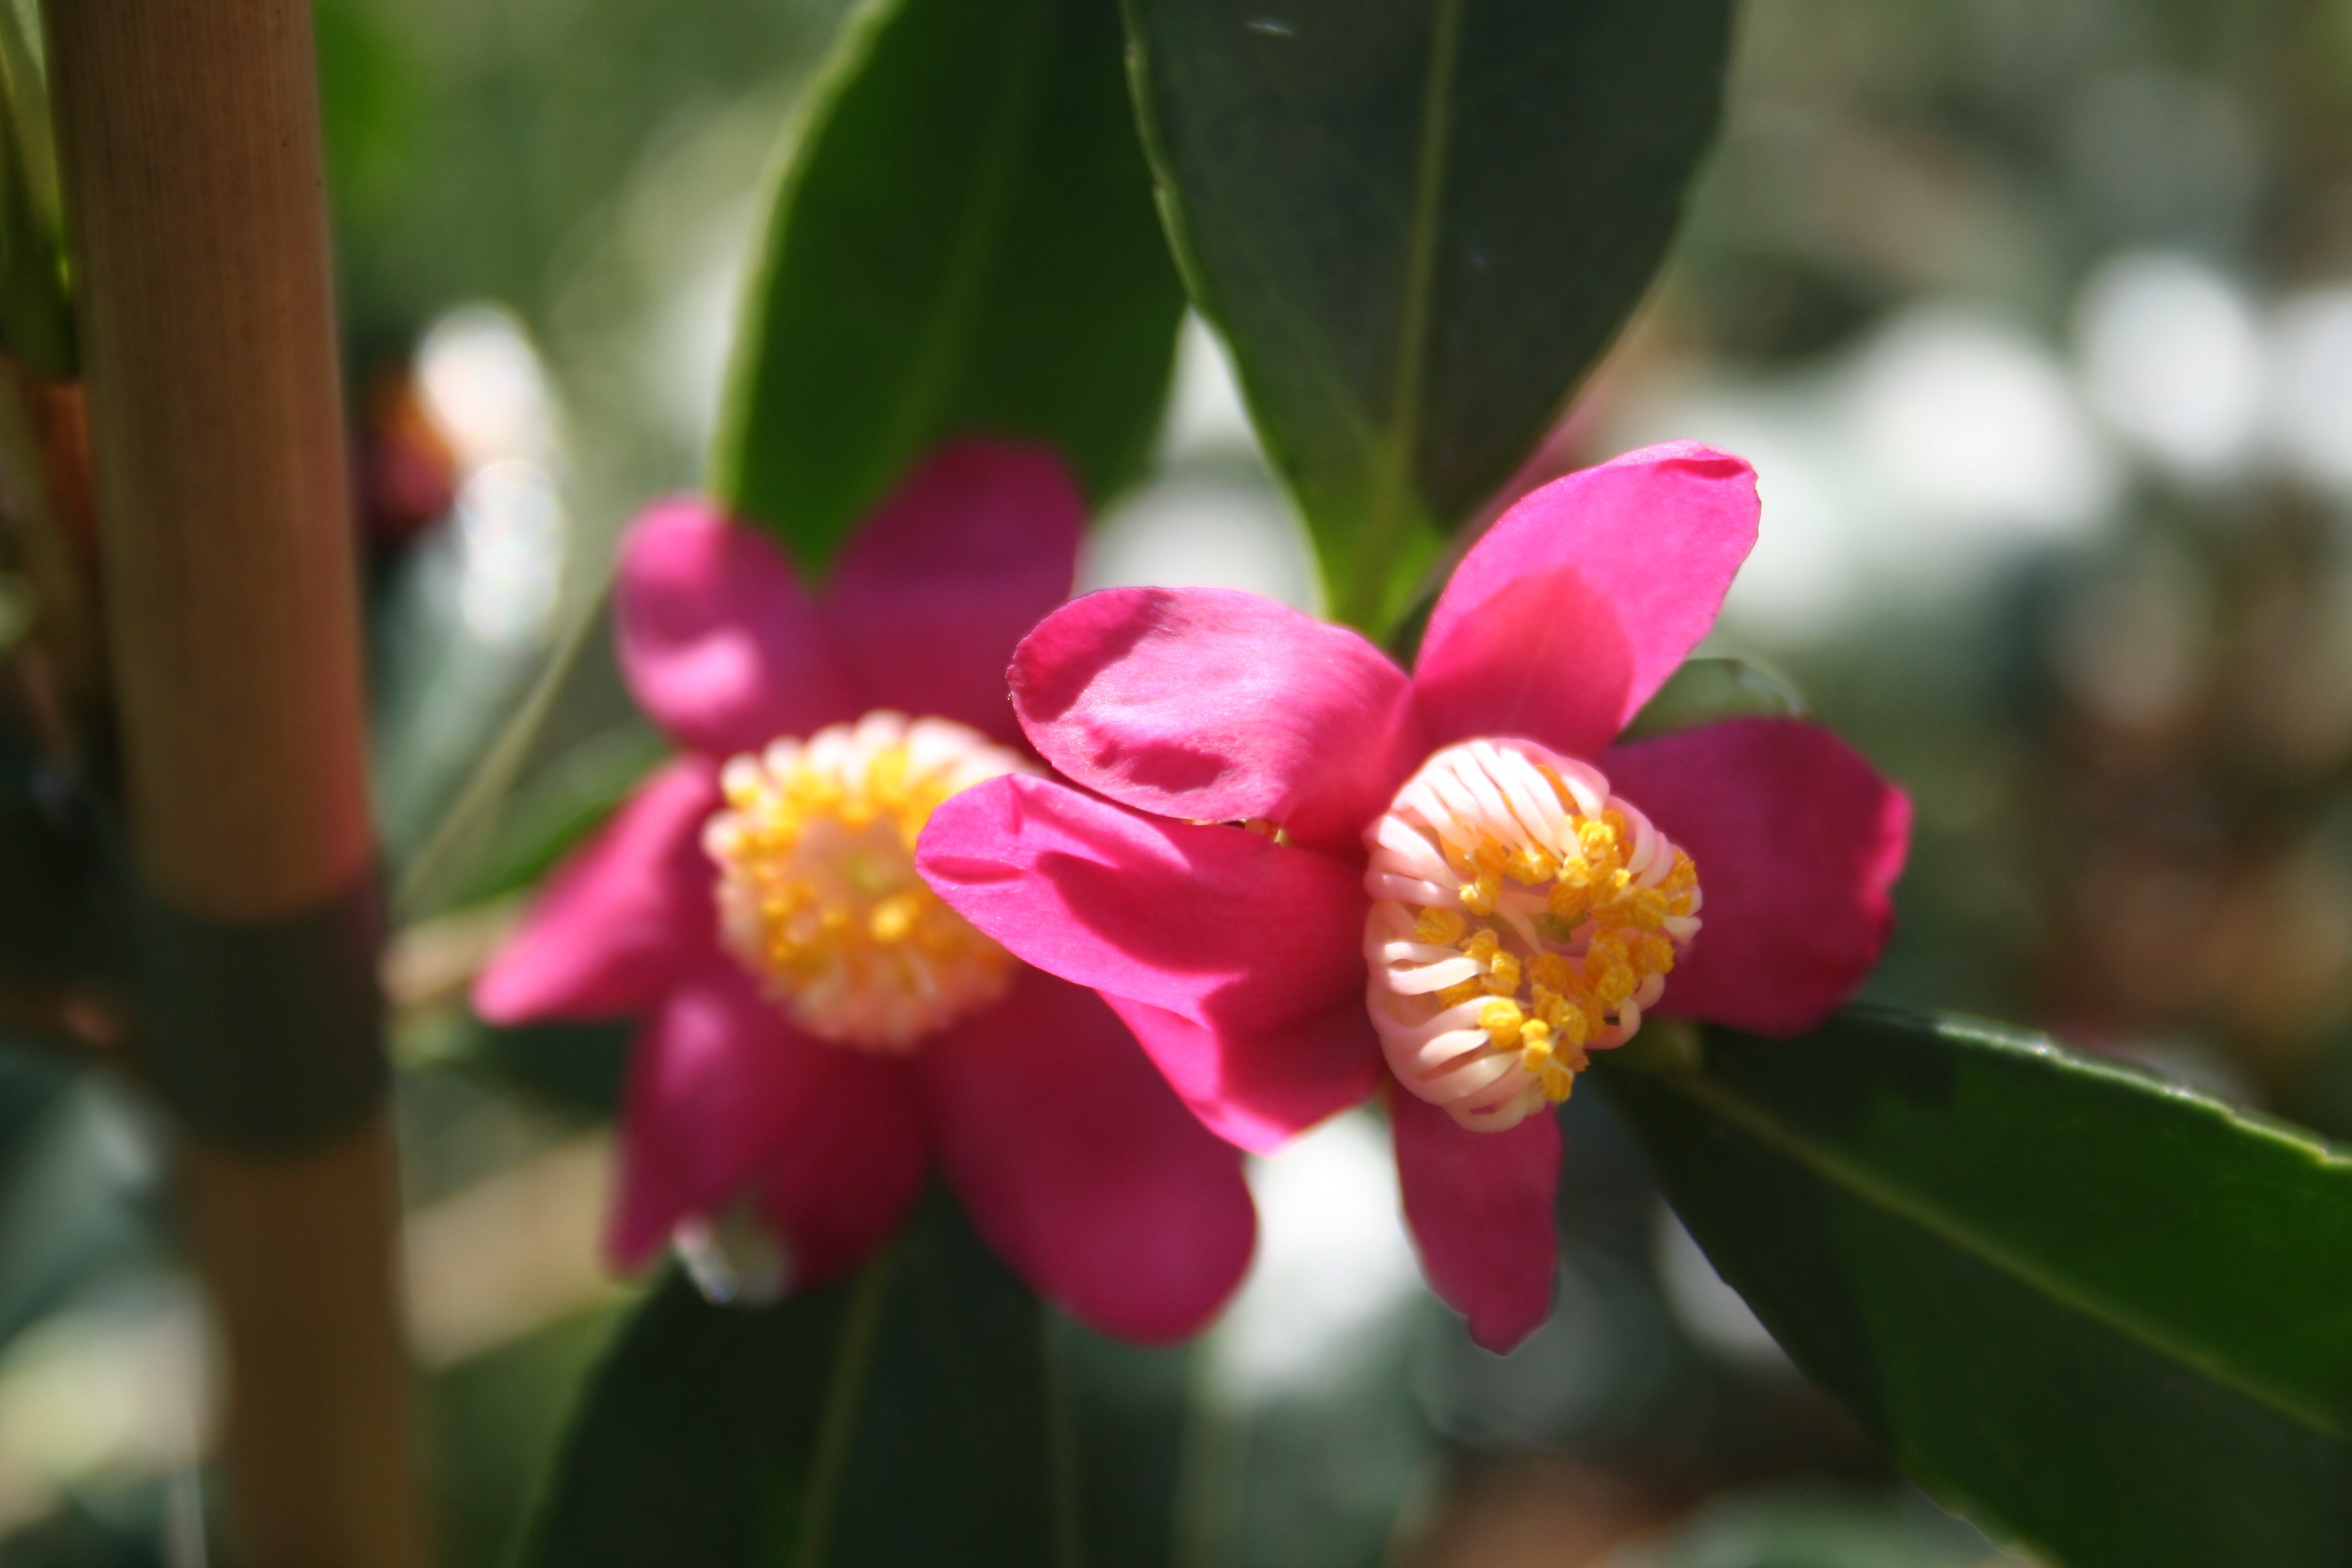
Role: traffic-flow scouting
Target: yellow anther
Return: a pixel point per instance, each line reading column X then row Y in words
column 1503, row 975
column 1569, row 901
column 1608, row 971
column 1550, row 971
column 1442, row 927
column 1570, row 1019
column 1535, row 1044
column 1599, row 837
column 1483, row 945
column 1531, row 867
column 1502, row 1020
column 1479, row 896
column 1455, row 995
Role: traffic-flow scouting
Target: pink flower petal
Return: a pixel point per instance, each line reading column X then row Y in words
column 846, row 1174
column 936, row 587
column 720, row 645
column 1575, row 607
column 724, row 1094
column 1081, row 1170
column 1480, row 1207
column 1256, row 943
column 1798, row 842
column 1209, row 705
column 619, row 921
column 1259, row 1092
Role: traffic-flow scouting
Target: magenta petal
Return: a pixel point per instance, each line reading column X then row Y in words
column 724, row 1096
column 1479, row 1205
column 622, row 919
column 1259, row 1091
column 1797, row 843
column 845, row 1174
column 719, row 643
column 937, row 587
column 1082, row 1170
column 1255, row 942
column 1575, row 607
column 1209, row 705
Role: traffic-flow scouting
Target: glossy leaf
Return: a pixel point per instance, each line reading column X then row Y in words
column 920, row 1414
column 2107, row 1317
column 963, row 241
column 1417, row 224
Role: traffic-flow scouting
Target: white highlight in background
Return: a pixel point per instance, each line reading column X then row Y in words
column 2172, row 358
column 1334, row 1267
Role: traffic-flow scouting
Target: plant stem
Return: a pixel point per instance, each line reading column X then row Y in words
column 195, row 188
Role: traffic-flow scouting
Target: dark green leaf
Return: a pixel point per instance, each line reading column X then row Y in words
column 2104, row 1316
column 1417, row 223
column 905, row 1418
column 577, row 1066
column 963, row 242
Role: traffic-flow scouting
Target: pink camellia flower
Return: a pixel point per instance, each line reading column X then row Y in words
column 818, row 1028
column 1315, row 876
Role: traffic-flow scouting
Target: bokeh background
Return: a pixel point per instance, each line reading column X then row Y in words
column 2035, row 317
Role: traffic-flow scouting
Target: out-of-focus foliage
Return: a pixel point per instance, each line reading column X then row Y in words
column 1705, row 689
column 1417, row 227
column 35, row 320
column 962, row 241
column 905, row 1417
column 2104, row 1315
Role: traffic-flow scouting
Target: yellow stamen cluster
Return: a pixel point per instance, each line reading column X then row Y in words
column 1548, row 1006
column 817, row 891
column 1523, row 916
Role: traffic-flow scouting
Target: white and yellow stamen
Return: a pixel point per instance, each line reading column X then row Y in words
column 817, row 891
column 1521, row 916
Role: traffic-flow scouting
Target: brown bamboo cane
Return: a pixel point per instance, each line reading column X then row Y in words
column 190, row 145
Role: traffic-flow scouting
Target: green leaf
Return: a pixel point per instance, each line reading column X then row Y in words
column 1417, row 224
column 907, row 1417
column 371, row 103
column 559, row 807
column 36, row 317
column 1705, row 689
column 963, row 241
column 2105, row 1316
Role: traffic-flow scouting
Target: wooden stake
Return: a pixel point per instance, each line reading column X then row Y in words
column 189, row 137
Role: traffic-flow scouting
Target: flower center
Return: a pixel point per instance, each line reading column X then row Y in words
column 1521, row 915
column 817, row 891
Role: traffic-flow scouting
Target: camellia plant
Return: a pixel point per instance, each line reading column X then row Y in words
column 896, row 896
column 972, row 939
